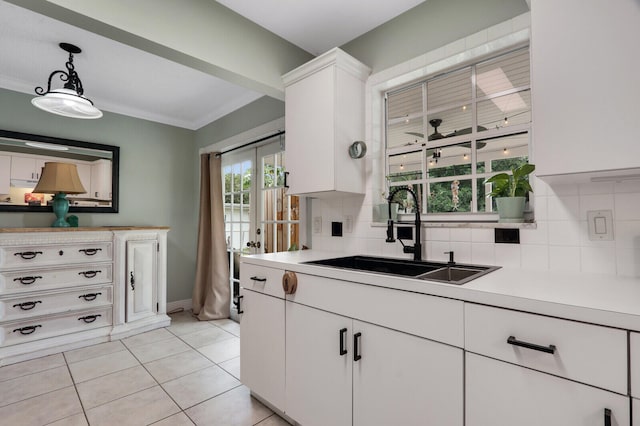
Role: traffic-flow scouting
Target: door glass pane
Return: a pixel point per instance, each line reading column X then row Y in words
column 504, row 111
column 405, row 167
column 452, row 160
column 502, row 153
column 405, row 117
column 505, row 73
column 450, row 196
column 454, row 88
column 268, row 171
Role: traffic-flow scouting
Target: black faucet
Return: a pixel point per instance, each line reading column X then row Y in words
column 416, row 249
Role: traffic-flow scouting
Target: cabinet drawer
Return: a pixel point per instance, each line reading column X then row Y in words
column 27, row 306
column 12, row 257
column 431, row 317
column 16, row 332
column 262, row 279
column 50, row 278
column 580, row 351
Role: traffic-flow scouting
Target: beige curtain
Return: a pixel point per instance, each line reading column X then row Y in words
column 211, row 292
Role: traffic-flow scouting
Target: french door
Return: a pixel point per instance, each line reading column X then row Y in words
column 259, row 217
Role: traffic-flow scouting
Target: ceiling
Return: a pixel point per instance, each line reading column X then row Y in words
column 117, row 77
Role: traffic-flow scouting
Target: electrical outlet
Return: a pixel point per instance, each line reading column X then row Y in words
column 317, row 224
column 348, row 224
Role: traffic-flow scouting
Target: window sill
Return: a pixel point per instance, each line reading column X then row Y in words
column 485, row 225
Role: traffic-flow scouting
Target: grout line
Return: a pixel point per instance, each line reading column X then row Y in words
column 75, row 387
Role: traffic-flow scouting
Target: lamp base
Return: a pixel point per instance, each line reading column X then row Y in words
column 60, row 209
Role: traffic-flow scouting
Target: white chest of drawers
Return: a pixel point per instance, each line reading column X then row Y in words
column 62, row 289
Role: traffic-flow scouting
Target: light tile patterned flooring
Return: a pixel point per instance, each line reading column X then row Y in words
column 184, row 374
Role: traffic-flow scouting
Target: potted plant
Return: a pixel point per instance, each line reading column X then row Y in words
column 510, row 191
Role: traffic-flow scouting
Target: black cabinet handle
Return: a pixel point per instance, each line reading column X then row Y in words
column 607, row 417
column 132, row 281
column 27, row 280
column 551, row 349
column 343, row 334
column 356, row 347
column 90, row 251
column 89, row 274
column 27, row 306
column 27, row 330
column 286, row 175
column 27, row 255
column 89, row 296
column 238, row 305
column 258, row 279
column 89, row 318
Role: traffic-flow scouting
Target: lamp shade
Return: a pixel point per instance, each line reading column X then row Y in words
column 59, row 178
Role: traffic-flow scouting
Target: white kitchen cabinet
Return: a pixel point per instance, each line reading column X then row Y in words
column 26, row 168
column 324, row 115
column 368, row 375
column 5, row 174
column 262, row 333
column 142, row 278
column 635, row 407
column 318, row 373
column 100, row 180
column 584, row 105
column 503, row 394
column 405, row 380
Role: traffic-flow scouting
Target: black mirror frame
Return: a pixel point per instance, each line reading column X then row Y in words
column 115, row 170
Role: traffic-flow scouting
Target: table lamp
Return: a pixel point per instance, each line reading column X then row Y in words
column 59, row 179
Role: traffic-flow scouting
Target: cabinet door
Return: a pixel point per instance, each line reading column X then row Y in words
column 262, row 352
column 23, row 168
column 498, row 393
column 636, row 411
column 101, row 180
column 5, row 174
column 141, row 279
column 318, row 377
column 405, row 380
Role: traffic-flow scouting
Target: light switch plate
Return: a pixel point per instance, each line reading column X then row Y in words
column 348, row 224
column 600, row 225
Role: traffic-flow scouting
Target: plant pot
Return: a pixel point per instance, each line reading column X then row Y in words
column 510, row 209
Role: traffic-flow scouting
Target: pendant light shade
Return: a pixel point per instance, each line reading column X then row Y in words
column 67, row 101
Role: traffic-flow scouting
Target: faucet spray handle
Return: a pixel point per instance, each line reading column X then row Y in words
column 450, row 253
column 390, row 238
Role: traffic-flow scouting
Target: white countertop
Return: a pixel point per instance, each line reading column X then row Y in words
column 600, row 299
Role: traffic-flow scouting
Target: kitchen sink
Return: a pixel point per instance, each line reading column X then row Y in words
column 424, row 270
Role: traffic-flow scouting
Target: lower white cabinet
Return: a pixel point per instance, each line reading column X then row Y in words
column 503, row 394
column 262, row 354
column 341, row 371
column 142, row 279
column 5, row 174
column 635, row 404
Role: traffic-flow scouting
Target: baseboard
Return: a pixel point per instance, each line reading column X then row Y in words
column 185, row 304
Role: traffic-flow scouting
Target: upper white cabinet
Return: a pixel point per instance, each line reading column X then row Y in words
column 5, row 173
column 324, row 115
column 26, row 168
column 585, row 88
column 101, row 180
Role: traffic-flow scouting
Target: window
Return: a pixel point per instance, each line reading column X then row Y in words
column 447, row 134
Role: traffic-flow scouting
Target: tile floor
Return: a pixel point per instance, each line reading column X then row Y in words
column 184, row 374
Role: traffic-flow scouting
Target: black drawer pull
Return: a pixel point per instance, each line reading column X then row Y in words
column 89, row 296
column 132, row 281
column 27, row 306
column 27, row 255
column 238, row 305
column 551, row 349
column 89, row 318
column 258, row 279
column 343, row 334
column 89, row 274
column 27, row 280
column 27, row 330
column 607, row 417
column 356, row 347
column 90, row 251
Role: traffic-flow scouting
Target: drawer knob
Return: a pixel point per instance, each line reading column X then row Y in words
column 289, row 282
column 27, row 255
column 27, row 306
column 89, row 296
column 27, row 280
column 89, row 318
column 90, row 251
column 551, row 349
column 27, row 330
column 89, row 274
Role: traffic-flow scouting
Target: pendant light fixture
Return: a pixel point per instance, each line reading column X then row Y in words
column 67, row 101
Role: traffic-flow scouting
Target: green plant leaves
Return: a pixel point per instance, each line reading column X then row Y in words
column 513, row 185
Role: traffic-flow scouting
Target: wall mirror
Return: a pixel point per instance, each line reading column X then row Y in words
column 23, row 155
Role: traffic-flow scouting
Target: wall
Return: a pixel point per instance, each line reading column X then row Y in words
column 560, row 241
column 156, row 178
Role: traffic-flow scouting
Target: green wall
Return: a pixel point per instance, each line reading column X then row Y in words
column 428, row 26
column 156, row 178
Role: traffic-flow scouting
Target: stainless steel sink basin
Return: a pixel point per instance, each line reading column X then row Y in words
column 430, row 271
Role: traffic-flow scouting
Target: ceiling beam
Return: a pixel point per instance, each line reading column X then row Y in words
column 200, row 34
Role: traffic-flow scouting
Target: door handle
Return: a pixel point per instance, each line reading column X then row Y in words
column 607, row 417
column 238, row 305
column 551, row 349
column 343, row 334
column 356, row 347
column 132, row 281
